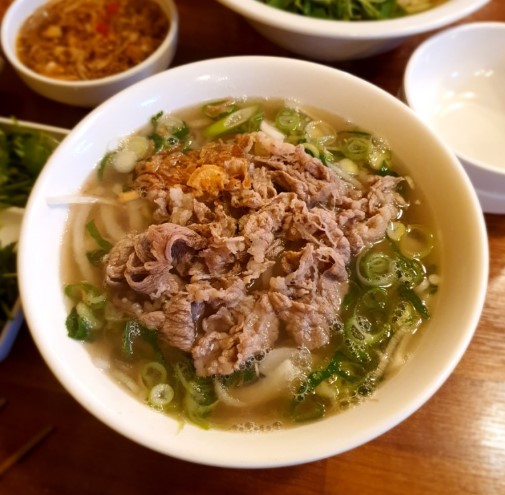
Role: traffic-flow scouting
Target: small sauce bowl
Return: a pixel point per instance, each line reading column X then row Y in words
column 455, row 81
column 91, row 92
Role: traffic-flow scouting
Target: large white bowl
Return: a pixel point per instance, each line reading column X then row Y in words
column 84, row 93
column 329, row 40
column 434, row 168
column 455, row 81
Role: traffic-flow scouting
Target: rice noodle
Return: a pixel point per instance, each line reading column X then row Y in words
column 224, row 396
column 113, row 229
column 389, row 353
column 268, row 388
column 78, row 241
column 76, row 200
column 137, row 223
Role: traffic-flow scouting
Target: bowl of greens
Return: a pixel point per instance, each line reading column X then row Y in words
column 24, row 150
column 336, row 30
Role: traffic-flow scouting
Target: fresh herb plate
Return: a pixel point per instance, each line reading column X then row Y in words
column 10, row 225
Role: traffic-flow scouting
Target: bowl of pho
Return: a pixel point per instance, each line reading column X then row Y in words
column 245, row 276
column 336, row 30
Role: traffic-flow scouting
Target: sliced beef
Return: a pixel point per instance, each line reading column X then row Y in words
column 307, row 298
column 232, row 337
column 144, row 262
column 381, row 204
column 252, row 239
column 178, row 328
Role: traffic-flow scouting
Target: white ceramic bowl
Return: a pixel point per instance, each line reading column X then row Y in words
column 455, row 81
column 84, row 93
column 432, row 165
column 328, row 40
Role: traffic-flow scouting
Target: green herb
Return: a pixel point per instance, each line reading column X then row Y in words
column 23, row 153
column 95, row 257
column 86, row 316
column 133, row 332
column 8, row 281
column 344, row 10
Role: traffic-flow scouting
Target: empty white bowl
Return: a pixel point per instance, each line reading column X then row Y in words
column 455, row 81
column 459, row 299
column 329, row 40
column 94, row 91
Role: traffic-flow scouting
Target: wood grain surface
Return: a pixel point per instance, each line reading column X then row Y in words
column 455, row 444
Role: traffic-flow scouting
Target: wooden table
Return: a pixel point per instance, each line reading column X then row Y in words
column 455, row 444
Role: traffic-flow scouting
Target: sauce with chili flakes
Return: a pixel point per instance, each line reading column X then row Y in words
column 79, row 40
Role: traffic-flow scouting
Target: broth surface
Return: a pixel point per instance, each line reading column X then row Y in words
column 274, row 301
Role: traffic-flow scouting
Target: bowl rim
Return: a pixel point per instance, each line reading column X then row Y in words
column 290, row 453
column 428, row 46
column 11, row 55
column 434, row 18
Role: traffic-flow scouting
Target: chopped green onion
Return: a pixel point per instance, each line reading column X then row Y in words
column 309, row 409
column 104, row 162
column 348, row 166
column 396, row 230
column 124, row 161
column 311, row 149
column 409, row 272
column 339, row 365
column 219, row 109
column 288, row 120
column 360, row 330
column 158, row 141
column 379, row 157
column 197, row 413
column 96, row 256
column 230, row 122
column 404, row 316
column 156, row 117
column 254, row 123
column 87, row 293
column 161, row 395
column 355, row 145
column 375, row 298
column 153, row 373
column 415, row 300
column 133, row 331
column 77, row 328
column 320, row 133
column 375, row 269
column 139, row 145
column 199, row 396
column 417, row 242
column 87, row 316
